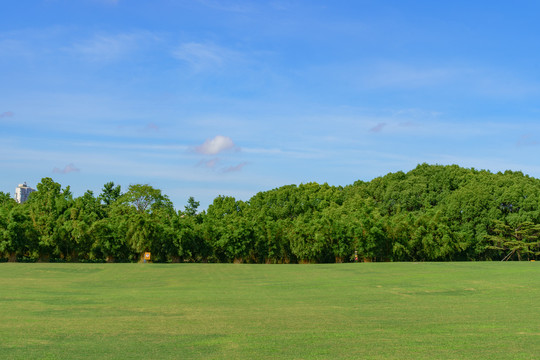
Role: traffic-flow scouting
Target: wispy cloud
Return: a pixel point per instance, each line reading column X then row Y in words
column 28, row 43
column 205, row 56
column 527, row 140
column 68, row 169
column 216, row 145
column 7, row 114
column 235, row 168
column 214, row 164
column 378, row 128
column 416, row 113
column 501, row 83
column 229, row 6
column 209, row 163
column 107, row 2
column 111, row 47
column 484, row 81
column 152, row 127
column 389, row 74
column 407, row 124
column 281, row 5
column 14, row 47
column 147, row 148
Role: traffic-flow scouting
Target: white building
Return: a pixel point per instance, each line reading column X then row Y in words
column 22, row 191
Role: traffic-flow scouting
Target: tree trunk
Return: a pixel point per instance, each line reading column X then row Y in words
column 12, row 257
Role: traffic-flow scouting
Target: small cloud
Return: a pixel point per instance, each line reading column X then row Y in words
column 211, row 164
column 68, row 169
column 152, row 126
column 378, row 128
column 235, row 168
column 407, row 124
column 527, row 140
column 6, row 114
column 216, row 145
column 103, row 48
column 204, row 56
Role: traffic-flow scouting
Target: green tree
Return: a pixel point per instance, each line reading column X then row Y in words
column 522, row 240
column 146, row 215
column 191, row 207
column 227, row 230
column 83, row 213
column 6, row 200
column 110, row 193
column 48, row 208
column 18, row 236
column 145, row 199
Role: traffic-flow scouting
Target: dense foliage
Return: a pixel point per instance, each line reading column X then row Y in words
column 432, row 213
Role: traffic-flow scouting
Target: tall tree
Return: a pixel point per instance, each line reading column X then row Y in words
column 191, row 207
column 145, row 199
column 110, row 193
column 48, row 208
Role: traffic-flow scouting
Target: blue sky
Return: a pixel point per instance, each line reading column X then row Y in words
column 204, row 97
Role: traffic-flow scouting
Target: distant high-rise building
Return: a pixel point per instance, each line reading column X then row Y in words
column 22, row 191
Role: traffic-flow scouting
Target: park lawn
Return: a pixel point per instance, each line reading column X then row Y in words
column 466, row 310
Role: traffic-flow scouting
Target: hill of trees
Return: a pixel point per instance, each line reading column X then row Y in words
column 432, row 213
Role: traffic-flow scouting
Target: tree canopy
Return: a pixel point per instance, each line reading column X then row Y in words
column 431, row 213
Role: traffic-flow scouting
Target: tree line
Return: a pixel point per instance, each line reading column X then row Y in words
column 431, row 213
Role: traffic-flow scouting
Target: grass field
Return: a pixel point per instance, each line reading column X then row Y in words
column 463, row 310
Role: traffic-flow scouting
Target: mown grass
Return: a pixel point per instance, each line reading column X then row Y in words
column 217, row 311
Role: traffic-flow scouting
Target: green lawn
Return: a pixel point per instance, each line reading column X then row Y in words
column 472, row 310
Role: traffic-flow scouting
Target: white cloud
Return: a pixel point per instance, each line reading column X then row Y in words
column 205, row 56
column 107, row 47
column 216, row 145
